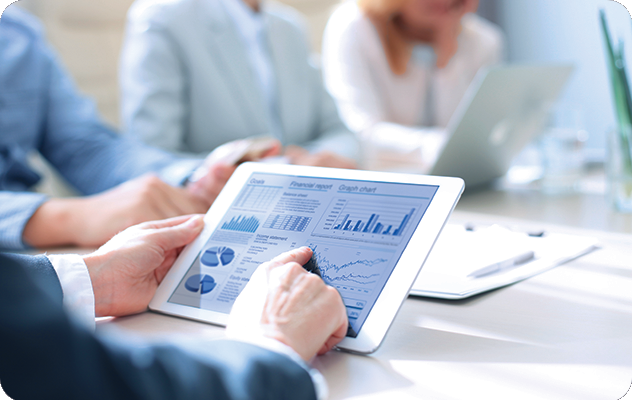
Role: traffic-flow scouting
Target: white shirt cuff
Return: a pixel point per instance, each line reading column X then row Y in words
column 76, row 286
column 320, row 384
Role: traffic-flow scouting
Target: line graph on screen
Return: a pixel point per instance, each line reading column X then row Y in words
column 350, row 270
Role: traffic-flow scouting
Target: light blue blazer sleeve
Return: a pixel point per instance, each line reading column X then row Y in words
column 154, row 100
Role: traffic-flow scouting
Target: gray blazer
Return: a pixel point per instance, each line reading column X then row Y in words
column 187, row 85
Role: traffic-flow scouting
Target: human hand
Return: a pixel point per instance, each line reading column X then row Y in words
column 435, row 22
column 449, row 28
column 91, row 221
column 209, row 181
column 299, row 156
column 126, row 271
column 242, row 150
column 282, row 301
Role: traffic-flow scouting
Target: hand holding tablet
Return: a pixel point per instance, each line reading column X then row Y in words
column 370, row 233
column 282, row 301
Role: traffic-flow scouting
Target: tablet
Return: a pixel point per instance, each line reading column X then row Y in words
column 370, row 232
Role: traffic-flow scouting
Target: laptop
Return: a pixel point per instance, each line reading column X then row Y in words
column 503, row 110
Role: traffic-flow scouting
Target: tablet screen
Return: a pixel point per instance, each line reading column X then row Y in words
column 357, row 230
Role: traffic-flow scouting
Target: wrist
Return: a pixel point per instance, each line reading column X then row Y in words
column 96, row 269
column 52, row 224
column 271, row 332
column 76, row 285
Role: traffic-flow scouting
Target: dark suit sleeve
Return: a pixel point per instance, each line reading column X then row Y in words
column 45, row 355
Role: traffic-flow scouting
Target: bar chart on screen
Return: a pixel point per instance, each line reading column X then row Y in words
column 242, row 223
column 361, row 220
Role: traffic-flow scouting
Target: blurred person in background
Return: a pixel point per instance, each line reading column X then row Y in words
column 399, row 68
column 125, row 181
column 195, row 74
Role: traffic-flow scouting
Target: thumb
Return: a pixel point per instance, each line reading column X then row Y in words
column 221, row 171
column 174, row 237
column 339, row 325
column 208, row 184
column 273, row 150
column 336, row 337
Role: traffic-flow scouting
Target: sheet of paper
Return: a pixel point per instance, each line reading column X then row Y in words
column 458, row 252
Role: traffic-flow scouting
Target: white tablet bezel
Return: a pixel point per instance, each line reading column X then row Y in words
column 398, row 285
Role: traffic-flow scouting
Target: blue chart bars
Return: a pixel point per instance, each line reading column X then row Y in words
column 287, row 222
column 242, row 223
column 372, row 225
column 383, row 222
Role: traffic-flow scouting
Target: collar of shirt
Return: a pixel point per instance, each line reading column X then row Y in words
column 249, row 23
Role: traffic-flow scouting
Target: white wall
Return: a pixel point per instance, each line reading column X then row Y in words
column 568, row 31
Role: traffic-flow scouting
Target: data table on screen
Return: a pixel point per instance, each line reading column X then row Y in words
column 257, row 197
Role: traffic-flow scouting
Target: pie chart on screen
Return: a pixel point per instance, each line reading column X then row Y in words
column 200, row 283
column 217, row 256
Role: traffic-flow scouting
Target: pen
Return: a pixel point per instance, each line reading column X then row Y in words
column 533, row 233
column 501, row 265
column 312, row 266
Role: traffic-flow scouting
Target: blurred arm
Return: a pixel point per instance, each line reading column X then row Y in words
column 16, row 208
column 42, row 111
column 92, row 157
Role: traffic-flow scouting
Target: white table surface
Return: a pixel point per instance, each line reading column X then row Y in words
column 565, row 334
